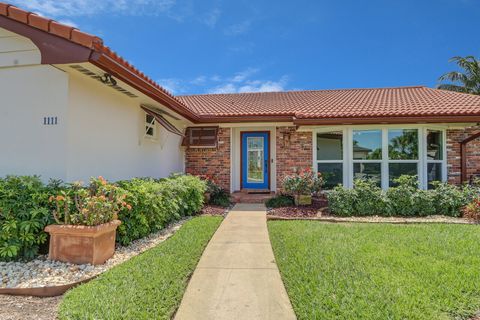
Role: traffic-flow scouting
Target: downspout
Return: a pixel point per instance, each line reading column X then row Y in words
column 463, row 155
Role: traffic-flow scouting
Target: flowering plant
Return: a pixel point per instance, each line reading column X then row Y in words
column 212, row 186
column 90, row 206
column 304, row 182
column 472, row 210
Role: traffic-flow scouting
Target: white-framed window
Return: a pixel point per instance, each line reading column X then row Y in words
column 380, row 153
column 150, row 126
column 329, row 156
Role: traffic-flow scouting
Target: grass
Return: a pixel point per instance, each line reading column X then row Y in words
column 381, row 271
column 148, row 286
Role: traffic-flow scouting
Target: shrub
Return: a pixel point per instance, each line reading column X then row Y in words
column 450, row 199
column 218, row 195
column 305, row 182
column 24, row 213
column 156, row 203
column 472, row 210
column 366, row 198
column 341, row 201
column 96, row 204
column 280, row 200
column 407, row 200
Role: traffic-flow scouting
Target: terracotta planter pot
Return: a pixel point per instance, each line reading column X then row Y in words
column 82, row 244
column 303, row 200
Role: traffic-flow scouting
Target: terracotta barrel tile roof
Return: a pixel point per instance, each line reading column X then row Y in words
column 384, row 103
column 342, row 103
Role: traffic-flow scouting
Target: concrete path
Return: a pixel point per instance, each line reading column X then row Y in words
column 237, row 277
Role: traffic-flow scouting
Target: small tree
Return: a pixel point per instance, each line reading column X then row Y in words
column 467, row 81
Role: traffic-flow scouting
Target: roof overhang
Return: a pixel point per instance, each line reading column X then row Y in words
column 387, row 120
column 60, row 44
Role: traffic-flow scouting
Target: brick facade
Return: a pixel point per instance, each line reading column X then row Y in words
column 212, row 161
column 294, row 152
column 454, row 137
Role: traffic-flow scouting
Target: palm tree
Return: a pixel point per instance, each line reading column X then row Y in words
column 467, row 81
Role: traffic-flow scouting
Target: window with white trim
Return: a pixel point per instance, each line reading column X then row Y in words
column 381, row 154
column 330, row 157
column 150, row 127
column 435, row 156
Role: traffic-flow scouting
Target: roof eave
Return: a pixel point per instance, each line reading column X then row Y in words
column 124, row 74
column 388, row 120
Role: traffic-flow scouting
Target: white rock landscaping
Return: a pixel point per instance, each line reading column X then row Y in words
column 42, row 272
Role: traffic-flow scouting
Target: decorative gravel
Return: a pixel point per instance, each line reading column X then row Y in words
column 42, row 272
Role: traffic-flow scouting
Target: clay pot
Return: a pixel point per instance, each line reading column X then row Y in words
column 303, row 200
column 82, row 244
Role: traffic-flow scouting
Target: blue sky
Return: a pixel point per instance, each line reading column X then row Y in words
column 236, row 46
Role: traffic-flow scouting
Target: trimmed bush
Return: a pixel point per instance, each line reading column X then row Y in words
column 156, row 203
column 405, row 199
column 280, row 201
column 24, row 213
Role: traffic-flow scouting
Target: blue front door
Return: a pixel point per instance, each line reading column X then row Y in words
column 255, row 164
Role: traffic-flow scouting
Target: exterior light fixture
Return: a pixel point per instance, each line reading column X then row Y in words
column 108, row 79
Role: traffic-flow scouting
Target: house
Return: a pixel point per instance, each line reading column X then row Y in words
column 72, row 108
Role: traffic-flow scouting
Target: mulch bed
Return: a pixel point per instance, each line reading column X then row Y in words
column 294, row 212
column 320, row 213
column 214, row 210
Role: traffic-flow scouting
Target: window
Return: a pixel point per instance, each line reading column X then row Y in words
column 435, row 159
column 380, row 154
column 402, row 153
column 330, row 157
column 201, row 137
column 367, row 155
column 149, row 126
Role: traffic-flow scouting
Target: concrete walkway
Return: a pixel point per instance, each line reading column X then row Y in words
column 237, row 277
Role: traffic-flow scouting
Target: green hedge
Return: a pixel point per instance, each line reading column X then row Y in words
column 156, row 203
column 405, row 199
column 24, row 213
column 25, row 210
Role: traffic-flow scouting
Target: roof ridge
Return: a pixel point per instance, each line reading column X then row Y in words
column 298, row 91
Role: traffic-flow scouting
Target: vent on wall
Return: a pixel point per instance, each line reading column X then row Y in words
column 95, row 76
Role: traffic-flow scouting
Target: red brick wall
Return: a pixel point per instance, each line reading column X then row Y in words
column 212, row 161
column 453, row 153
column 294, row 152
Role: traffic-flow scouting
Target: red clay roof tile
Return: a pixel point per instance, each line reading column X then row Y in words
column 61, row 30
column 342, row 103
column 3, row 8
column 18, row 14
column 39, row 22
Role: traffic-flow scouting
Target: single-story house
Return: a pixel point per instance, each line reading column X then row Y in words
column 72, row 108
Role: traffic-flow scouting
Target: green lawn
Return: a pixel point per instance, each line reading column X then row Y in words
column 148, row 286
column 381, row 271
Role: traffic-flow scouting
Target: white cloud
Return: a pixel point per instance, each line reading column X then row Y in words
column 252, row 86
column 240, row 82
column 245, row 74
column 74, row 8
column 226, row 88
column 211, row 18
column 238, row 29
column 173, row 85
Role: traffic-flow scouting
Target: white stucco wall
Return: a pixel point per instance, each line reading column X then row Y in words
column 28, row 94
column 106, row 136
